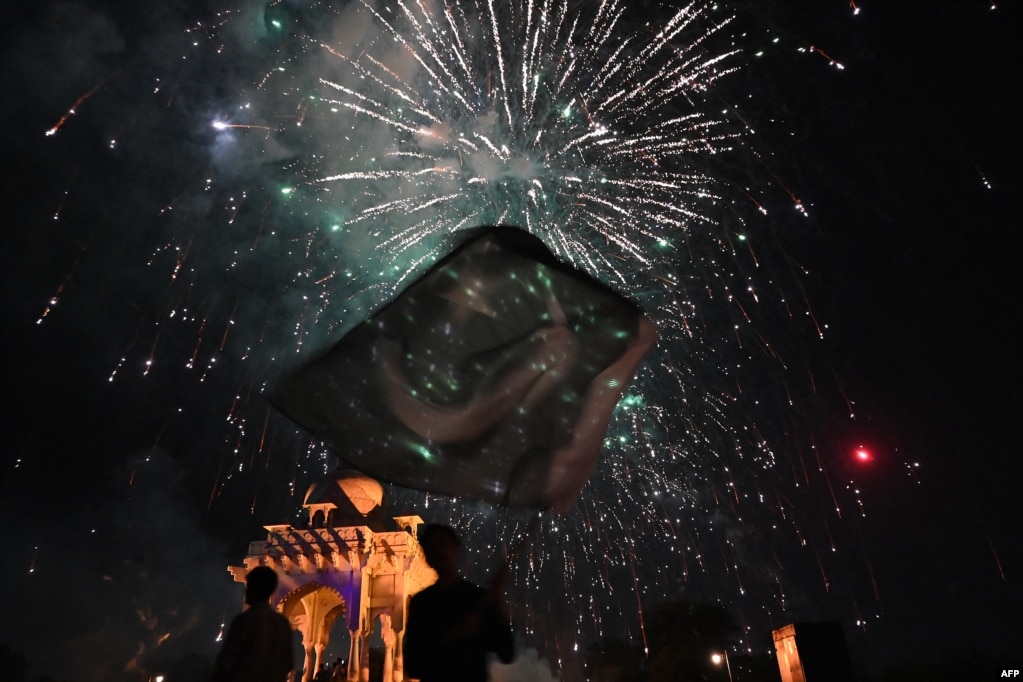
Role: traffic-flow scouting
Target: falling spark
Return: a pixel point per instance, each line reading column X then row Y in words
column 74, row 107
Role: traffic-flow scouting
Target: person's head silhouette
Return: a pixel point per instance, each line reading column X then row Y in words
column 260, row 584
column 442, row 549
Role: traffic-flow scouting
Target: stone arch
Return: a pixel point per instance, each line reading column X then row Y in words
column 354, row 569
column 312, row 608
column 331, row 617
column 293, row 598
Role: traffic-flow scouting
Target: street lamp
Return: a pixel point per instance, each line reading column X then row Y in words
column 723, row 656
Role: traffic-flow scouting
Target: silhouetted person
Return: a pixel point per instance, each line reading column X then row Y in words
column 340, row 673
column 257, row 647
column 454, row 624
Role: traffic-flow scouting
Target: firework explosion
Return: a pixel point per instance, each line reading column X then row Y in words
column 363, row 139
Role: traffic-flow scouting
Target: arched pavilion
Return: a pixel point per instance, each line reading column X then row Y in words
column 345, row 565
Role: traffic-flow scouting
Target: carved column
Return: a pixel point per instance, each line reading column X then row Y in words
column 310, row 662
column 354, row 664
column 319, row 646
column 388, row 636
column 399, row 657
column 364, row 664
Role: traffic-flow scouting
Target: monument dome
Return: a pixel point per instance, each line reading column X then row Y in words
column 346, row 497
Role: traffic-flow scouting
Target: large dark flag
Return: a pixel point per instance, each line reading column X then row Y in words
column 493, row 377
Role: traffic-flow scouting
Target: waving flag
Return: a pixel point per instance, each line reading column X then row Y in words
column 494, row 377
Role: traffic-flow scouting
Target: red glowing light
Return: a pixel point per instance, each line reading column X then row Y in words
column 863, row 455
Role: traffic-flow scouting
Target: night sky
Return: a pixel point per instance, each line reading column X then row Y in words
column 126, row 490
